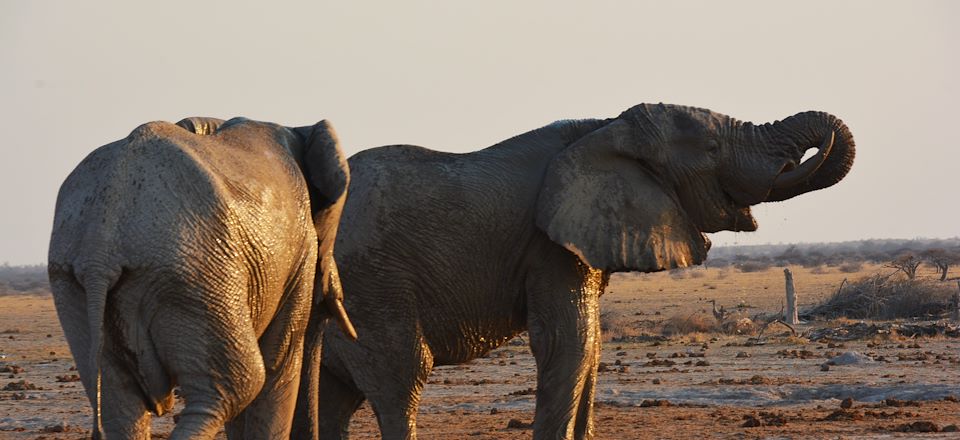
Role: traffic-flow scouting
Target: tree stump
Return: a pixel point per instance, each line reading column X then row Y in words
column 956, row 303
column 790, row 314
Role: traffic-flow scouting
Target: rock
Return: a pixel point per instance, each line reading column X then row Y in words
column 493, row 411
column 850, row 358
column 11, row 368
column 847, row 403
column 751, row 422
column 647, row 403
column 517, row 424
column 743, row 354
column 22, row 385
column 918, row 426
column 824, row 367
column 950, row 428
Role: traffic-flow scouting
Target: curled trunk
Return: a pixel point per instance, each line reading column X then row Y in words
column 802, row 132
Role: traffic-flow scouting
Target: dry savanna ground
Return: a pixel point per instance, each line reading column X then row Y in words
column 705, row 384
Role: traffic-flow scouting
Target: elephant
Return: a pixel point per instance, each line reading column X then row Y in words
column 448, row 256
column 193, row 255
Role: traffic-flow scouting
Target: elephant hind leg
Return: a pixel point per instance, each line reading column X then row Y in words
column 212, row 353
column 270, row 415
column 124, row 413
column 338, row 402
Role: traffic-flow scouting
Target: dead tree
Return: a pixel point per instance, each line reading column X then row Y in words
column 791, row 316
column 942, row 259
column 907, row 263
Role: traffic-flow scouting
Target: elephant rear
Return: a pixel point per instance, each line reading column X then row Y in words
column 175, row 243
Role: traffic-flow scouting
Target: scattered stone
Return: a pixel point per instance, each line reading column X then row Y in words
column 842, row 415
column 647, row 403
column 751, row 422
column 525, row 392
column 743, row 354
column 918, row 426
column 11, row 368
column 22, row 385
column 621, row 353
column 824, row 367
column 847, row 403
column 897, row 403
column 651, row 355
column 493, row 411
column 660, row 363
column 950, row 428
column 56, row 427
column 517, row 424
column 602, row 367
column 850, row 358
column 656, row 381
column 68, row 378
column 702, row 364
column 951, row 398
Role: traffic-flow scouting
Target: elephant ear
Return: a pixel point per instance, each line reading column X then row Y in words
column 600, row 201
column 324, row 165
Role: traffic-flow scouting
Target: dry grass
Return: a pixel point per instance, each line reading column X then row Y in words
column 888, row 297
column 686, row 324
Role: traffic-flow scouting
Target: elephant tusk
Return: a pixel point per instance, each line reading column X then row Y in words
column 333, row 298
column 807, row 168
column 335, row 306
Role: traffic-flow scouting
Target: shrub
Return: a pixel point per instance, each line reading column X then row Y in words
column 819, row 270
column 887, row 297
column 851, row 267
column 613, row 326
column 753, row 266
column 686, row 324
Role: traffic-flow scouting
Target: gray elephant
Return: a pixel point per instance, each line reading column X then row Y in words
column 447, row 256
column 186, row 255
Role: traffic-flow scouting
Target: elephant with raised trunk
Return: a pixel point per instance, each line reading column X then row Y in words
column 191, row 255
column 447, row 256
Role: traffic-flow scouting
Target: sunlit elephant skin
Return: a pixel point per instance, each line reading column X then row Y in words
column 186, row 255
column 447, row 256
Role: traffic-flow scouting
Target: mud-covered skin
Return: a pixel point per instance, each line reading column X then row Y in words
column 189, row 259
column 446, row 256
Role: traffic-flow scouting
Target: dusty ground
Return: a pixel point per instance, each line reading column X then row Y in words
column 647, row 389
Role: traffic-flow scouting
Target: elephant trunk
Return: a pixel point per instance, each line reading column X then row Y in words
column 826, row 168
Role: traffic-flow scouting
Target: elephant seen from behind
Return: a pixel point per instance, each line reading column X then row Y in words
column 191, row 255
column 447, row 256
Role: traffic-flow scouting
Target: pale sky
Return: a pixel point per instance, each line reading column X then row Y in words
column 460, row 76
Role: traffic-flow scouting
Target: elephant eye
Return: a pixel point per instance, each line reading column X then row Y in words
column 713, row 146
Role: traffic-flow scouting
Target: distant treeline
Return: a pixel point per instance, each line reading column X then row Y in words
column 23, row 279
column 845, row 255
column 831, row 254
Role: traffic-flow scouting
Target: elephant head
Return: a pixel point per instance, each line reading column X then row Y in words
column 327, row 175
column 639, row 192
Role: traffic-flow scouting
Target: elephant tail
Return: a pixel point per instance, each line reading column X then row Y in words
column 97, row 288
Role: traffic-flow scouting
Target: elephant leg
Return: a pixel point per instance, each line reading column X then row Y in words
column 270, row 415
column 125, row 415
column 391, row 375
column 339, row 401
column 565, row 339
column 211, row 350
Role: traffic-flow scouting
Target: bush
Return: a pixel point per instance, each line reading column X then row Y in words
column 887, row 297
column 613, row 326
column 23, row 279
column 753, row 266
column 819, row 270
column 695, row 323
column 851, row 267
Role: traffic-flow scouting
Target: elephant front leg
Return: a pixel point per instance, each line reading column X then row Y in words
column 565, row 340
